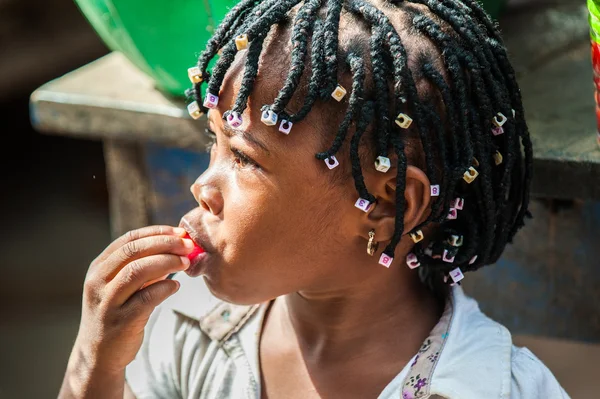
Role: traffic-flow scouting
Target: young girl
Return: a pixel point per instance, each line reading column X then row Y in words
column 337, row 276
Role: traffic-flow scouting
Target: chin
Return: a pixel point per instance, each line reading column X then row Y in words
column 235, row 293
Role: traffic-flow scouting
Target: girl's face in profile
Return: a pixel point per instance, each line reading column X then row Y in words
column 271, row 217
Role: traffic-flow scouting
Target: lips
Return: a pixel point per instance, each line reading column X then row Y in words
column 197, row 248
column 199, row 253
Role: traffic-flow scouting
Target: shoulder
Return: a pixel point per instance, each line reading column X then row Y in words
column 530, row 378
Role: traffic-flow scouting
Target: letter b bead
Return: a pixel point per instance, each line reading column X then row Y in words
column 385, row 260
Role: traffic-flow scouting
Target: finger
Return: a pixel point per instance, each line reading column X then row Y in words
column 134, row 235
column 139, row 272
column 147, row 246
column 143, row 302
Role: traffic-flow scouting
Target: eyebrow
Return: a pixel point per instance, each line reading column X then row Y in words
column 229, row 132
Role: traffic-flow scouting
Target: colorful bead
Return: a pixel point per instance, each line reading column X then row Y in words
column 470, row 175
column 458, row 203
column 362, row 204
column 286, row 126
column 498, row 159
column 452, row 214
column 417, row 236
column 447, row 258
column 241, row 42
column 473, row 260
column 457, row 275
column 385, row 260
column 269, row 117
column 194, row 110
column 404, row 121
column 339, row 93
column 500, row 119
column 435, row 190
column 211, row 100
column 456, row 241
column 332, row 162
column 497, row 131
column 195, row 75
column 234, row 119
column 383, row 164
column 412, row 261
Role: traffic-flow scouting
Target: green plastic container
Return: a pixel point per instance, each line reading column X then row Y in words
column 164, row 38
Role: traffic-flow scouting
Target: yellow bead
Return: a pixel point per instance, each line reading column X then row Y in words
column 404, row 121
column 470, row 175
column 195, row 75
column 194, row 110
column 498, row 158
column 339, row 93
column 241, row 42
column 417, row 237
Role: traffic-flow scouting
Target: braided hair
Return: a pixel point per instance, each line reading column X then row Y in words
column 430, row 72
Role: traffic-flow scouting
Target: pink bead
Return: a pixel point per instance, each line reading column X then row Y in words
column 211, row 100
column 385, row 260
column 473, row 260
column 285, row 127
column 435, row 190
column 458, row 204
column 447, row 258
column 497, row 131
column 457, row 275
column 412, row 261
column 362, row 204
column 234, row 119
column 332, row 162
column 453, row 214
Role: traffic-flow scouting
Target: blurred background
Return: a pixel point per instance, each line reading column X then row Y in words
column 56, row 210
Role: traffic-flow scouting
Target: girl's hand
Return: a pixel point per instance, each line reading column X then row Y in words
column 122, row 287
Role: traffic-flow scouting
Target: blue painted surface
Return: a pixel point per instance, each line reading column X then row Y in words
column 547, row 282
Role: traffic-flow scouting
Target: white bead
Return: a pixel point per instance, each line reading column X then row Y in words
column 497, row 131
column 452, row 215
column 412, row 261
column 417, row 236
column 456, row 241
column 514, row 113
column 447, row 258
column 362, row 204
column 332, row 162
column 195, row 75
column 269, row 117
column 458, row 204
column 339, row 93
column 404, row 121
column 194, row 110
column 234, row 119
column 457, row 275
column 385, row 260
column 500, row 119
column 211, row 100
column 473, row 260
column 286, row 126
column 383, row 164
column 435, row 190
column 241, row 42
column 470, row 175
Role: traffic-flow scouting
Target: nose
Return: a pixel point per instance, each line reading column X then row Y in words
column 208, row 197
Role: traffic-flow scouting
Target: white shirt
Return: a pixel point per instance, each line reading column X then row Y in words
column 198, row 347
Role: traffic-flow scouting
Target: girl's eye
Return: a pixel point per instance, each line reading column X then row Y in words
column 242, row 160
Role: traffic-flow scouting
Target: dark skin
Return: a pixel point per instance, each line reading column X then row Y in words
column 277, row 228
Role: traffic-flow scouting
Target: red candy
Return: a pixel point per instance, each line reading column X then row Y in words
column 197, row 249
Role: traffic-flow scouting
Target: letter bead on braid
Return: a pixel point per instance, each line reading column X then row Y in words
column 452, row 214
column 456, row 241
column 412, row 261
column 195, row 75
column 470, row 175
column 458, row 203
column 241, row 42
column 234, row 119
column 385, row 260
column 382, row 164
column 194, row 110
column 497, row 131
column 498, row 159
column 363, row 204
column 285, row 126
column 332, row 162
column 339, row 93
column 417, row 236
column 457, row 275
column 499, row 120
column 211, row 101
column 448, row 258
column 404, row 121
column 269, row 117
column 435, row 190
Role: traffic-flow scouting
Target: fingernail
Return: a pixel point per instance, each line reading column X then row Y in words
column 179, row 231
column 188, row 244
column 185, row 260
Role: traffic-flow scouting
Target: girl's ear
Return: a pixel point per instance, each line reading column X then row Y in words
column 417, row 195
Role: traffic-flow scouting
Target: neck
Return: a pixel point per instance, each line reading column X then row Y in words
column 389, row 312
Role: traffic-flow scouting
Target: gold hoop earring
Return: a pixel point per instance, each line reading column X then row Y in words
column 372, row 245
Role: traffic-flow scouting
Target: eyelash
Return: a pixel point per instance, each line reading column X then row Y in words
column 242, row 159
